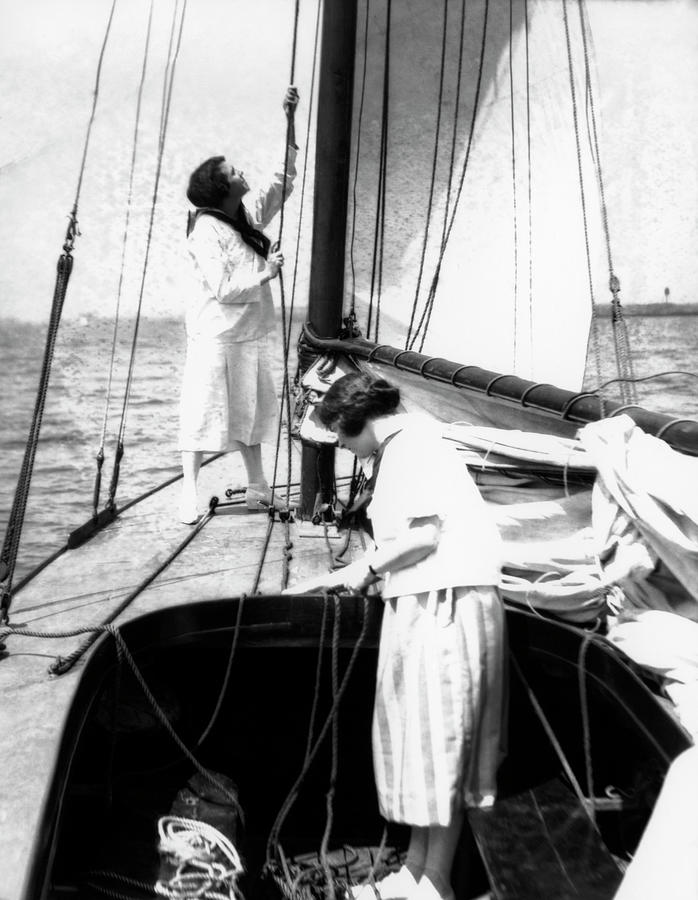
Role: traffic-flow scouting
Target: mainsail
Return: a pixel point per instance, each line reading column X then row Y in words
column 493, row 142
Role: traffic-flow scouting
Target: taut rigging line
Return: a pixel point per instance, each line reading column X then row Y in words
column 8, row 555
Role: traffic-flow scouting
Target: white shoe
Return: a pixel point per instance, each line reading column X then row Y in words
column 258, row 497
column 188, row 513
column 395, row 886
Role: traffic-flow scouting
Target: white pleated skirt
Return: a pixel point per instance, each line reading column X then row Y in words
column 439, row 714
column 228, row 395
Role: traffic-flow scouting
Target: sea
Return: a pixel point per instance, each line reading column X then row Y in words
column 85, row 408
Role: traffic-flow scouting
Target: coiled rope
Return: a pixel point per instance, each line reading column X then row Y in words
column 8, row 555
column 197, row 849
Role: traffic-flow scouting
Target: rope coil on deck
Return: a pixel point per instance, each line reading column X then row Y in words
column 206, row 862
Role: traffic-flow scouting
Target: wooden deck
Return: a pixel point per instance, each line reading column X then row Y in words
column 85, row 586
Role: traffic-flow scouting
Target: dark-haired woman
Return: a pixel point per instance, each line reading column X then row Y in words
column 228, row 399
column 437, row 726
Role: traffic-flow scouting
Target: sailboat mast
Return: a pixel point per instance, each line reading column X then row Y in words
column 332, row 157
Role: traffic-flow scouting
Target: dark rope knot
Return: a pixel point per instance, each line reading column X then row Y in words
column 71, row 232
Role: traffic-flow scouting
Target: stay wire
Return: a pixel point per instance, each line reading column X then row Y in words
column 357, row 157
column 426, row 315
column 529, row 183
column 168, row 82
column 434, row 165
column 117, row 313
column 379, row 223
column 582, row 192
column 429, row 306
column 8, row 555
column 95, row 97
column 287, row 319
column 620, row 331
column 515, row 223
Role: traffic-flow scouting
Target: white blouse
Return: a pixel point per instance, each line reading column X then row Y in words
column 224, row 291
column 421, row 475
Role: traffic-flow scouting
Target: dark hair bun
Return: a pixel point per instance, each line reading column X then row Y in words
column 383, row 396
column 356, row 397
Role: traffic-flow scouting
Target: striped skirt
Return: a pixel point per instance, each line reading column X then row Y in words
column 438, row 722
column 228, row 395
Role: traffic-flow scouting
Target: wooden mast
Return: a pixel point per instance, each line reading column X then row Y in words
column 332, row 156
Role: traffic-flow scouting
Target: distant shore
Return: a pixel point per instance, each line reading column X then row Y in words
column 650, row 309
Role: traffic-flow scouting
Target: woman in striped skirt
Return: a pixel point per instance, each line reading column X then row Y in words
column 437, row 726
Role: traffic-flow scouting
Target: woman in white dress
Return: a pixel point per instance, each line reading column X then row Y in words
column 438, row 716
column 228, row 399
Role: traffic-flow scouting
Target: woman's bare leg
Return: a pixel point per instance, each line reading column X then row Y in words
column 252, row 457
column 435, row 883
column 258, row 494
column 191, row 463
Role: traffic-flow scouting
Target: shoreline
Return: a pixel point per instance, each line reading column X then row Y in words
column 650, row 310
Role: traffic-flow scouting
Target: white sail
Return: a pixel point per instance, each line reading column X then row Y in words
column 527, row 258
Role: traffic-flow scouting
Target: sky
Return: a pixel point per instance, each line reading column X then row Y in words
column 231, row 74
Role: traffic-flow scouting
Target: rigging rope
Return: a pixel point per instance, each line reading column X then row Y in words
column 434, row 162
column 379, row 225
column 8, row 555
column 329, row 799
column 513, row 176
column 273, row 845
column 355, row 180
column 287, row 319
column 529, row 181
column 136, row 130
column 62, row 665
column 168, row 82
column 620, row 331
column 123, row 653
column 425, row 320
